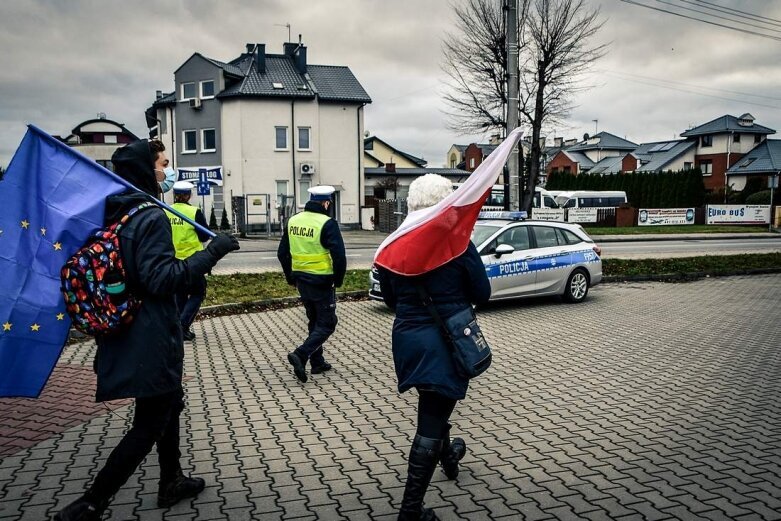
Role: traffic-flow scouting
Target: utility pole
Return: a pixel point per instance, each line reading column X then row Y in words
column 512, row 100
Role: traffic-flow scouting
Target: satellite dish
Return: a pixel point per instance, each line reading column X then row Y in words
column 586, row 136
column 365, row 133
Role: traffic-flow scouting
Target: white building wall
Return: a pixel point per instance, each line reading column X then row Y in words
column 253, row 166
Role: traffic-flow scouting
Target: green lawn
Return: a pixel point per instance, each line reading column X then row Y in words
column 690, row 228
column 251, row 287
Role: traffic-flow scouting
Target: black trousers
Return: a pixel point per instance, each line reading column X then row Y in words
column 320, row 305
column 189, row 301
column 434, row 411
column 156, row 421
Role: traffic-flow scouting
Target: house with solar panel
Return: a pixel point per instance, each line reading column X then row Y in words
column 264, row 128
column 715, row 147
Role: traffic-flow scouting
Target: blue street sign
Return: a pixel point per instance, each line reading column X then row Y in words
column 202, row 176
column 203, row 188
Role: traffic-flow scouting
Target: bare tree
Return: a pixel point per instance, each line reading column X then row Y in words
column 388, row 184
column 475, row 60
column 555, row 49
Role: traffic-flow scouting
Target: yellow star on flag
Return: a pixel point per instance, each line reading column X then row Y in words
column 60, row 316
column 35, row 327
column 7, row 326
column 43, row 231
column 57, row 245
column 25, row 224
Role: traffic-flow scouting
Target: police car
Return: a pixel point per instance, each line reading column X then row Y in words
column 525, row 258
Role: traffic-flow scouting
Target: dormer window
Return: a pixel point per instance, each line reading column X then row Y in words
column 746, row 120
column 277, row 85
column 188, row 91
column 207, row 89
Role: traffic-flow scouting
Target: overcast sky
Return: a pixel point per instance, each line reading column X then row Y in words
column 63, row 62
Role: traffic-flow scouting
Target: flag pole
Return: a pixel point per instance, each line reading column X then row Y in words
column 119, row 180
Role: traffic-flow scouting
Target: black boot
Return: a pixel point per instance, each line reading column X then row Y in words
column 179, row 488
column 452, row 452
column 81, row 510
column 423, row 458
column 321, row 368
column 299, row 367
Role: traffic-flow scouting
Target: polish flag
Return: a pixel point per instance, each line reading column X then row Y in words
column 433, row 236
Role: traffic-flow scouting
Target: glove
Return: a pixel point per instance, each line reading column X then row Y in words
column 223, row 244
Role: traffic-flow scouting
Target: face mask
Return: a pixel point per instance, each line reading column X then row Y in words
column 170, row 178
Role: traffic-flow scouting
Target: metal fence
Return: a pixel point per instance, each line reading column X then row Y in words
column 391, row 213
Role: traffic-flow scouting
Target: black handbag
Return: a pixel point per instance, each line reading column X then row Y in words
column 471, row 352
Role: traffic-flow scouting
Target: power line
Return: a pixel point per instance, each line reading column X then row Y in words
column 703, row 21
column 608, row 71
column 706, row 13
column 665, row 86
column 739, row 11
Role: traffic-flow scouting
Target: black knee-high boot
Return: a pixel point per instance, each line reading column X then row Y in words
column 423, row 459
column 452, row 452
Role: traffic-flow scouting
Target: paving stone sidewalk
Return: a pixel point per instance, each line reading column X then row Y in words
column 647, row 402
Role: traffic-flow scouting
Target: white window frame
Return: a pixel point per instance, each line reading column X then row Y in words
column 298, row 136
column 183, row 98
column 471, row 162
column 184, row 142
column 303, row 195
column 214, row 88
column 710, row 163
column 287, row 139
column 203, row 140
column 110, row 139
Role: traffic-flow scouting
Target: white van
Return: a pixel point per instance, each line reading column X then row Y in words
column 543, row 199
column 587, row 199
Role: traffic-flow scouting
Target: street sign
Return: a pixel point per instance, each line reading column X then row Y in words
column 203, row 188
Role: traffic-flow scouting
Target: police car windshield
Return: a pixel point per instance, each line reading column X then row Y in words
column 482, row 232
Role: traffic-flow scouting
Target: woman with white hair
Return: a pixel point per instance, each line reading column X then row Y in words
column 423, row 358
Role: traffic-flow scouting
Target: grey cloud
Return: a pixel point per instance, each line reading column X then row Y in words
column 66, row 61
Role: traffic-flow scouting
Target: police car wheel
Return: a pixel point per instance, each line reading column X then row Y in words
column 577, row 286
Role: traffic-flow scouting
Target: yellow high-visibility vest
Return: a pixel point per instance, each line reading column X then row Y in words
column 186, row 240
column 309, row 256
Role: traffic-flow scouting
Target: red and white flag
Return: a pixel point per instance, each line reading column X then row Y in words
column 430, row 237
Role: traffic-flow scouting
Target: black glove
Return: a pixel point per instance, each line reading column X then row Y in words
column 223, row 244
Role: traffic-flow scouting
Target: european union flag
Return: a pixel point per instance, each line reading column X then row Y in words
column 52, row 199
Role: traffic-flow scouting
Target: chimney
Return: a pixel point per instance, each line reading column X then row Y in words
column 297, row 51
column 558, row 142
column 158, row 94
column 542, row 142
column 250, row 46
column 260, row 57
column 390, row 167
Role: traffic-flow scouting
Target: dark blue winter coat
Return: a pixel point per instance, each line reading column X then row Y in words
column 420, row 354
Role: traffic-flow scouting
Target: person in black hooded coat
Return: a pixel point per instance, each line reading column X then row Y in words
column 145, row 359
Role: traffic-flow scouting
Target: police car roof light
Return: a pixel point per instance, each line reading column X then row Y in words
column 508, row 216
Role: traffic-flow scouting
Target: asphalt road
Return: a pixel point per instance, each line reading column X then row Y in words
column 360, row 257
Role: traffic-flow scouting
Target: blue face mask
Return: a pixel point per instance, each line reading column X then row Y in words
column 170, row 178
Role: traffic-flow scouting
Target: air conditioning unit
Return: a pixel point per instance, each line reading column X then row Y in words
column 195, row 103
column 307, row 168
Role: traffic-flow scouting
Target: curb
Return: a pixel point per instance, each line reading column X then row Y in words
column 682, row 237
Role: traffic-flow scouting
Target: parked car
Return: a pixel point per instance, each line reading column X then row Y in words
column 526, row 258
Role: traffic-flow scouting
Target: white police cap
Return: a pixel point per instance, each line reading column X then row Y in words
column 183, row 187
column 321, row 193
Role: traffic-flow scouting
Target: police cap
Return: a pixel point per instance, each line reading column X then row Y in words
column 183, row 187
column 321, row 193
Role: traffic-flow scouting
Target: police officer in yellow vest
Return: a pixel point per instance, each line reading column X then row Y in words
column 312, row 256
column 187, row 240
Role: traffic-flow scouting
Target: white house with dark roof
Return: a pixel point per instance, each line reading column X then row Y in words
column 98, row 139
column 271, row 124
column 720, row 143
column 603, row 151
